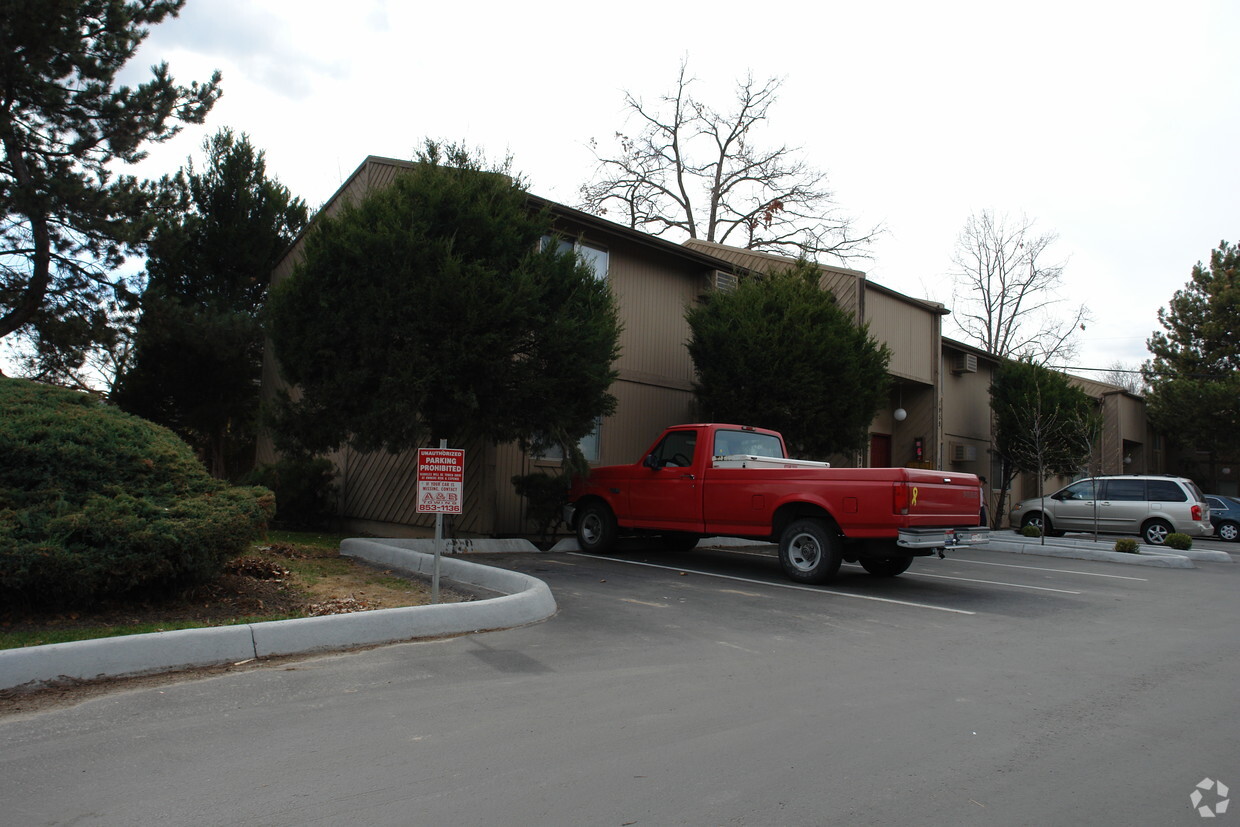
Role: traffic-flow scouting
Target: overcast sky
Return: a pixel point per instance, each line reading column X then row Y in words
column 1114, row 124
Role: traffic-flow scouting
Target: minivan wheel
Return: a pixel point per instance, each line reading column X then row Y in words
column 1229, row 532
column 1044, row 524
column 1155, row 532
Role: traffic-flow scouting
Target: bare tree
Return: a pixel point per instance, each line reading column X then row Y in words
column 1006, row 291
column 1124, row 376
column 693, row 171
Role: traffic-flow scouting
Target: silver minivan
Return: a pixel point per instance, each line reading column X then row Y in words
column 1151, row 506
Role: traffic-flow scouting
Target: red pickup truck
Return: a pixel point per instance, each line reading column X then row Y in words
column 736, row 481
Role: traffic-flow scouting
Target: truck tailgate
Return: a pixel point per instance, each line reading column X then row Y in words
column 936, row 498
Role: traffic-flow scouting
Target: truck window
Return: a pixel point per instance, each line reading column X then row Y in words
column 676, row 450
column 749, row 443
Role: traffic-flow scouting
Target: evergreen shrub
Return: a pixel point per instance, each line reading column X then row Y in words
column 1126, row 545
column 304, row 487
column 544, row 497
column 97, row 503
column 1179, row 542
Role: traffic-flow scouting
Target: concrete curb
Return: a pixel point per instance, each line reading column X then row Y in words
column 1086, row 549
column 1051, row 549
column 523, row 599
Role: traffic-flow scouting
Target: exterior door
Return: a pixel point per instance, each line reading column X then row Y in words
column 880, row 450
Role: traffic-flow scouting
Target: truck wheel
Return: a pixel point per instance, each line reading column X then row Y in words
column 809, row 551
column 596, row 528
column 886, row 566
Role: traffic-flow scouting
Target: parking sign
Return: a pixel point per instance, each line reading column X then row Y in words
column 441, row 480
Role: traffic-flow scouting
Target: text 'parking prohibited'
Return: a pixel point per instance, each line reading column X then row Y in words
column 441, row 480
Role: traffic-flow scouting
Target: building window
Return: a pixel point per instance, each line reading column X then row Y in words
column 591, row 255
column 589, row 445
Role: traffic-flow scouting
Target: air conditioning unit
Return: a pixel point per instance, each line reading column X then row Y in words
column 960, row 452
column 720, row 280
column 965, row 363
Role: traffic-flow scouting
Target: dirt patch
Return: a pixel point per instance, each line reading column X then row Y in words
column 272, row 582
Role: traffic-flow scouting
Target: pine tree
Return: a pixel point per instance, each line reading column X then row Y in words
column 1194, row 377
column 199, row 341
column 69, row 219
column 434, row 309
column 778, row 352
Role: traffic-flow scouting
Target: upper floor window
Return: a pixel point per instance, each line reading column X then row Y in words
column 591, row 255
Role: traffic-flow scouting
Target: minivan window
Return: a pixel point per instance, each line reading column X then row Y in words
column 1166, row 491
column 1083, row 490
column 1123, row 490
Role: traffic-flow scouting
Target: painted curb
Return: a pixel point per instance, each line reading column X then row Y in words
column 523, row 599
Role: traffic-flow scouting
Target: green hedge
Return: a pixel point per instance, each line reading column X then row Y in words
column 98, row 503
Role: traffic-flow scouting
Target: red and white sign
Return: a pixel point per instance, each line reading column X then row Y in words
column 441, row 480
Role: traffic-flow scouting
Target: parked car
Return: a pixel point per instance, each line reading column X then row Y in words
column 1149, row 506
column 1225, row 516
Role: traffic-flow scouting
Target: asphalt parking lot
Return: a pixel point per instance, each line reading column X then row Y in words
column 699, row 688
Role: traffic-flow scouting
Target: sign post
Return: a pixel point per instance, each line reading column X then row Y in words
column 441, row 490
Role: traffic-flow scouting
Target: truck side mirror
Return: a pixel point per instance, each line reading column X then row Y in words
column 650, row 462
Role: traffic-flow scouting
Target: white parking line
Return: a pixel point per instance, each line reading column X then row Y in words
column 778, row 585
column 988, row 582
column 1056, row 571
column 969, row 580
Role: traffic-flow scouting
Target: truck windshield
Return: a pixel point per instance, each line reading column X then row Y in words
column 747, row 443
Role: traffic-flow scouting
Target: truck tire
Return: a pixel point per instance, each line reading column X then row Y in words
column 886, row 566
column 809, row 551
column 596, row 528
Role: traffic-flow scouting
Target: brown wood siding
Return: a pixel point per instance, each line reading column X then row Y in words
column 643, row 411
column 843, row 283
column 909, row 330
column 652, row 303
column 381, row 487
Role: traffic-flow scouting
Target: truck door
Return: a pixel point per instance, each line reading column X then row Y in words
column 670, row 496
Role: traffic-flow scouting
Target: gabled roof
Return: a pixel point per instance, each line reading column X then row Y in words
column 377, row 171
column 760, row 262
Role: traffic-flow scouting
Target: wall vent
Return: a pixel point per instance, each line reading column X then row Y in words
column 965, row 363
column 720, row 280
column 960, row 452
